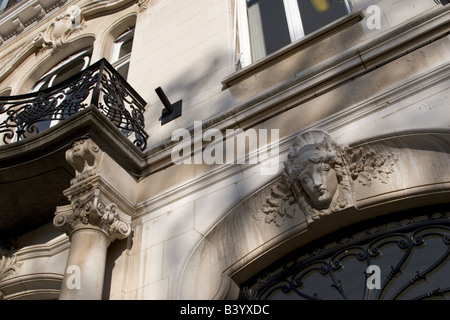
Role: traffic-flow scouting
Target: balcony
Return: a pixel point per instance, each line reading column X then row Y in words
column 36, row 129
column 99, row 85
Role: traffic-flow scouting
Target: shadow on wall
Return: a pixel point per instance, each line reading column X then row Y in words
column 116, row 252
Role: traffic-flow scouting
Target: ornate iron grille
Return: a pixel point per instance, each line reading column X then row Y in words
column 99, row 85
column 412, row 256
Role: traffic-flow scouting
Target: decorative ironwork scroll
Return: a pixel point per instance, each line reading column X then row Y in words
column 413, row 258
column 99, row 85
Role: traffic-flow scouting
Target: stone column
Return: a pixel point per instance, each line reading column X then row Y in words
column 91, row 221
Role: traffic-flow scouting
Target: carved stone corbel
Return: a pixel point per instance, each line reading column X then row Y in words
column 84, row 157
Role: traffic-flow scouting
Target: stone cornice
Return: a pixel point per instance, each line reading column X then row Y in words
column 49, row 249
column 17, row 19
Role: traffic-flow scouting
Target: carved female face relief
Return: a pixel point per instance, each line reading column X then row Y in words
column 320, row 183
column 317, row 174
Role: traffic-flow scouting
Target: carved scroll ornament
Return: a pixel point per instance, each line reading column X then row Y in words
column 59, row 31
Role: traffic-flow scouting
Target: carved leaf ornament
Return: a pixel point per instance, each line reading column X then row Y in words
column 280, row 205
column 367, row 166
column 8, row 265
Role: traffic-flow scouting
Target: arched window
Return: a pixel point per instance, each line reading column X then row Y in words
column 67, row 68
column 64, row 70
column 401, row 259
column 121, row 52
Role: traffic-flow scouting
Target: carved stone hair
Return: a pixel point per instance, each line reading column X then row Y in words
column 318, row 147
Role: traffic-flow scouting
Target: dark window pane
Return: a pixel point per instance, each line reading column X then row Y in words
column 123, row 70
column 125, row 48
column 69, row 70
column 66, row 69
column 318, row 13
column 267, row 19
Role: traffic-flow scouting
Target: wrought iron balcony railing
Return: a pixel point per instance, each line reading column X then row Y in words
column 99, row 85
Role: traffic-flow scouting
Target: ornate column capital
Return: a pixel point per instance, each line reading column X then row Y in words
column 91, row 211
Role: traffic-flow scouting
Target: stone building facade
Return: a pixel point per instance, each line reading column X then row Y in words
column 162, row 149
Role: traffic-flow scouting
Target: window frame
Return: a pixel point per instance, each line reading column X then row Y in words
column 87, row 53
column 243, row 38
column 116, row 61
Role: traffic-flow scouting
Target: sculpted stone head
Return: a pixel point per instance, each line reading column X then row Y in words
column 317, row 174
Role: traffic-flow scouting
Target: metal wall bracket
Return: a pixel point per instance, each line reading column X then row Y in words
column 170, row 111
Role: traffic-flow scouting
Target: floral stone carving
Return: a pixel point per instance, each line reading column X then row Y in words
column 367, row 166
column 280, row 205
column 9, row 265
column 93, row 211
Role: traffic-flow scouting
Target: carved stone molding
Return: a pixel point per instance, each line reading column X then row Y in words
column 73, row 20
column 24, row 14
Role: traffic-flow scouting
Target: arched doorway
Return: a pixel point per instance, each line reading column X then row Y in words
column 399, row 257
